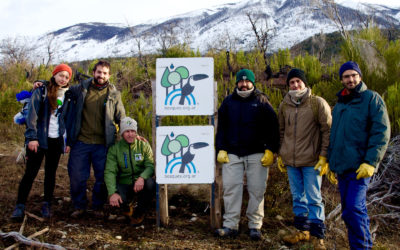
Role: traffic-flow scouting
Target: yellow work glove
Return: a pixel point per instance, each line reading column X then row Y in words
column 365, row 170
column 331, row 177
column 281, row 167
column 222, row 156
column 268, row 158
column 322, row 165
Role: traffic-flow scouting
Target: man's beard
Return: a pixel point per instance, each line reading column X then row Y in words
column 97, row 82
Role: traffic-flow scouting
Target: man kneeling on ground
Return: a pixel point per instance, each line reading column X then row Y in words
column 128, row 173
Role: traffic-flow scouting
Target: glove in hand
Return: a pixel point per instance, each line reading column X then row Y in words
column 322, row 165
column 331, row 177
column 281, row 167
column 222, row 157
column 268, row 158
column 365, row 170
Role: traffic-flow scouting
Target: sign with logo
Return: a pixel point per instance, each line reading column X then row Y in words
column 185, row 154
column 185, row 86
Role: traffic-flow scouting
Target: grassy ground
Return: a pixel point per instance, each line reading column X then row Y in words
column 189, row 220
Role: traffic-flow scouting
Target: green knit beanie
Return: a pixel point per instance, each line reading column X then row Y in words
column 245, row 74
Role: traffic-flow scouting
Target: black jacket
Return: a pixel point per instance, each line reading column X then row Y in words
column 37, row 122
column 247, row 125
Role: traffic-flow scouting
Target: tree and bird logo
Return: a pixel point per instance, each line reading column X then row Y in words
column 175, row 146
column 179, row 79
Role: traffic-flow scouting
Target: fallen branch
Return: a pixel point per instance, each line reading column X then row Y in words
column 334, row 212
column 28, row 240
column 21, row 229
column 34, row 216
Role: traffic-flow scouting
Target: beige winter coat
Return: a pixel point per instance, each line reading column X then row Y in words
column 304, row 130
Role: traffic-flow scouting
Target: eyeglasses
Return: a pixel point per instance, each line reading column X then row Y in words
column 351, row 75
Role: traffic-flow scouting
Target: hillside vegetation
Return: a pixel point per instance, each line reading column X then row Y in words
column 378, row 57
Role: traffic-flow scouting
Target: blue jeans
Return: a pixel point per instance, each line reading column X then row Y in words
column 353, row 194
column 305, row 186
column 83, row 155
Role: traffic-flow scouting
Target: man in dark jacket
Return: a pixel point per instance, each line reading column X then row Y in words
column 247, row 136
column 129, row 171
column 97, row 109
column 359, row 137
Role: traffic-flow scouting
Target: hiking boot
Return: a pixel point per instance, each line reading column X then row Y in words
column 137, row 220
column 226, row 232
column 318, row 243
column 128, row 210
column 18, row 213
column 255, row 234
column 78, row 213
column 45, row 210
column 99, row 214
column 296, row 237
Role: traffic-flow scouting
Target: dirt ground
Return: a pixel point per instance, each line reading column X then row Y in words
column 189, row 226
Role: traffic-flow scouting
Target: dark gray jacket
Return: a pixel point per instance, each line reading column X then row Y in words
column 114, row 111
column 37, row 123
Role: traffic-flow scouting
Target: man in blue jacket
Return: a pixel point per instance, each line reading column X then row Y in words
column 247, row 136
column 359, row 137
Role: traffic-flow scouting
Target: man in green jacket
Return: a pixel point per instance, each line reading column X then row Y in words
column 129, row 171
column 359, row 137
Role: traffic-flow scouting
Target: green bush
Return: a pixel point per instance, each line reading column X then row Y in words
column 392, row 99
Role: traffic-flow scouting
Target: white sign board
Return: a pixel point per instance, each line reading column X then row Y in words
column 185, row 154
column 185, row 86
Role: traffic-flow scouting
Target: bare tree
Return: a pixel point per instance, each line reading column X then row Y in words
column 264, row 34
column 167, row 36
column 330, row 10
column 319, row 44
column 50, row 48
column 16, row 50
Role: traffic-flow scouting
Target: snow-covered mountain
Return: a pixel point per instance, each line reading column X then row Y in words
column 221, row 27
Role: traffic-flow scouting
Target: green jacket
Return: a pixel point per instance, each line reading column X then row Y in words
column 125, row 163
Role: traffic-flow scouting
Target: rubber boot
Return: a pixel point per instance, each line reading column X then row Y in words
column 318, row 243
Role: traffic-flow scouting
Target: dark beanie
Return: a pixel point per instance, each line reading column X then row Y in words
column 245, row 74
column 296, row 73
column 349, row 65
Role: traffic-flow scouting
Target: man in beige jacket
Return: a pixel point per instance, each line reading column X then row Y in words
column 304, row 123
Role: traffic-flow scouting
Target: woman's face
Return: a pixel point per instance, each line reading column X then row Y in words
column 62, row 78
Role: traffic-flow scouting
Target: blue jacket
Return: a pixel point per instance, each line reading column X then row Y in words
column 360, row 131
column 247, row 125
column 114, row 111
column 37, row 123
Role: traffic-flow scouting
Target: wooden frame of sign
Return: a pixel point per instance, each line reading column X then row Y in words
column 162, row 189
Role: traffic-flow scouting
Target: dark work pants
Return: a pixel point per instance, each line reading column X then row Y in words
column 353, row 194
column 144, row 197
column 34, row 160
column 81, row 157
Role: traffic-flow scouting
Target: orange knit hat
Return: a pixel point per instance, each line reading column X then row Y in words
column 62, row 67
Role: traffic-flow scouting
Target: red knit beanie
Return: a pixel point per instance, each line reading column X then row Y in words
column 62, row 67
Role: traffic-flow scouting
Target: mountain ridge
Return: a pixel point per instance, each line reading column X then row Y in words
column 224, row 27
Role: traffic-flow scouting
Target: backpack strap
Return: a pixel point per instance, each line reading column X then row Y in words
column 314, row 108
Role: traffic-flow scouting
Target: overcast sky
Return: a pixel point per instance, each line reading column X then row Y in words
column 36, row 17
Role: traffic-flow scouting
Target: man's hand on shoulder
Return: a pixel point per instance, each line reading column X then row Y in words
column 37, row 84
column 115, row 200
column 141, row 138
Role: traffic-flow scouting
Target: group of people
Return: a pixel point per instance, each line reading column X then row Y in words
column 83, row 120
column 308, row 141
column 305, row 138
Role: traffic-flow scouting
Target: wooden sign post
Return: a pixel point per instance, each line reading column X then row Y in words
column 185, row 154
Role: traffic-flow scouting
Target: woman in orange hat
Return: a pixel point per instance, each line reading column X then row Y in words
column 44, row 137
